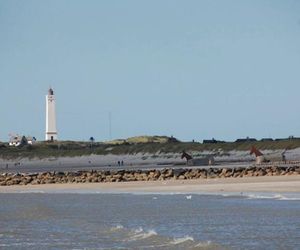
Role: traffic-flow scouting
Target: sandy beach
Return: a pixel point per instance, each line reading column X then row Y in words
column 231, row 185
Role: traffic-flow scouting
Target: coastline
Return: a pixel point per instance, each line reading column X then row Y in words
column 138, row 160
column 277, row 184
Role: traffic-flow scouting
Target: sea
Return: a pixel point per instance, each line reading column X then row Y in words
column 97, row 220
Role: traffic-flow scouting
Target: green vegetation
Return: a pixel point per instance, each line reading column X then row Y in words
column 143, row 139
column 151, row 145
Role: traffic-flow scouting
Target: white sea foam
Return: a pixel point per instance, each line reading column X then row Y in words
column 181, row 240
column 204, row 244
column 32, row 191
column 286, row 197
column 259, row 196
column 289, row 198
column 23, row 244
column 189, row 195
column 117, row 227
column 139, row 230
column 140, row 234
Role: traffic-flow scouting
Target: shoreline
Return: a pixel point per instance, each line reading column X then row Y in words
column 266, row 184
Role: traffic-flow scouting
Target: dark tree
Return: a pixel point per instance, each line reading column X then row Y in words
column 24, row 141
column 92, row 139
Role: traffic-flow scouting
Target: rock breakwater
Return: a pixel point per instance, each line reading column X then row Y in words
column 8, row 179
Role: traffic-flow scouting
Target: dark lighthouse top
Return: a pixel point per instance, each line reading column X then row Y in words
column 50, row 91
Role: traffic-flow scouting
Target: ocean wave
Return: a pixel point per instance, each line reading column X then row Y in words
column 24, row 244
column 32, row 192
column 140, row 234
column 190, row 243
column 290, row 199
column 204, row 244
column 177, row 241
column 150, row 239
column 138, row 230
column 258, row 196
column 281, row 197
column 117, row 227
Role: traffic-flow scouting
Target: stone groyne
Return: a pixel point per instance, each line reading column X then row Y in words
column 8, row 179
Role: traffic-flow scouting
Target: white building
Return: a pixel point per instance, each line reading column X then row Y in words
column 51, row 132
column 16, row 140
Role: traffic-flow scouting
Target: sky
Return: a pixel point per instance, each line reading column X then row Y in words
column 191, row 69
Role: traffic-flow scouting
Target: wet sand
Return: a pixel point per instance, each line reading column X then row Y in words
column 218, row 185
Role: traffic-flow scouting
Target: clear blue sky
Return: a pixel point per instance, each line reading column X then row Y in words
column 191, row 69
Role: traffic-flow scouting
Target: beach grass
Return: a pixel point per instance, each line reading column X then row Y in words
column 143, row 145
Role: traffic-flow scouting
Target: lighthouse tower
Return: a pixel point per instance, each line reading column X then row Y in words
column 51, row 133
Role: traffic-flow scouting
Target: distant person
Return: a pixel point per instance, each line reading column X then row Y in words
column 122, row 163
column 119, row 163
column 283, row 157
column 6, row 167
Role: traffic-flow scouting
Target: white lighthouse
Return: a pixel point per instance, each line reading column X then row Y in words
column 51, row 133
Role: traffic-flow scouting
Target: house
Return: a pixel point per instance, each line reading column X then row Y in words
column 213, row 140
column 17, row 140
column 247, row 139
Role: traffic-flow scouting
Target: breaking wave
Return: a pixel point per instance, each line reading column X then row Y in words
column 273, row 197
column 181, row 240
column 140, row 234
column 117, row 227
column 150, row 239
column 204, row 244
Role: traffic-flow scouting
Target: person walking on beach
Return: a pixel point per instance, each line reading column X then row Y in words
column 283, row 158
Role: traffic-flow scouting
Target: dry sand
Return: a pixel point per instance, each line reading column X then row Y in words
column 278, row 184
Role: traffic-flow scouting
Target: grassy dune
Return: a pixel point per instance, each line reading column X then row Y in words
column 145, row 144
